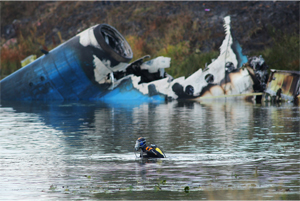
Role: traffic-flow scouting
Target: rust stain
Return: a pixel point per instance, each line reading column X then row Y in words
column 284, row 83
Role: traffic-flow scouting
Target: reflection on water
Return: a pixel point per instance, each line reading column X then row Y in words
column 79, row 150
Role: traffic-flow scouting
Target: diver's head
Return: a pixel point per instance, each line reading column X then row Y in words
column 140, row 142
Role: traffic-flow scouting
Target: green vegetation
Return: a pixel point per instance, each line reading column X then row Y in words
column 156, row 29
column 13, row 52
column 187, row 189
column 284, row 54
column 158, row 186
column 185, row 60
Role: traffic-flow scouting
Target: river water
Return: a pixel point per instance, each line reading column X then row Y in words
column 84, row 151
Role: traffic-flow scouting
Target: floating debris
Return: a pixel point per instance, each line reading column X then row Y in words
column 28, row 60
column 187, row 189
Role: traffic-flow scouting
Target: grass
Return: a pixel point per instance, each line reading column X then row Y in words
column 14, row 53
column 186, row 60
column 284, row 54
column 176, row 35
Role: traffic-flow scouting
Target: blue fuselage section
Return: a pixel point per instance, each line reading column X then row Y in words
column 55, row 76
column 67, row 73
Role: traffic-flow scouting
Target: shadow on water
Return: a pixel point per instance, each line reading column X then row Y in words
column 215, row 150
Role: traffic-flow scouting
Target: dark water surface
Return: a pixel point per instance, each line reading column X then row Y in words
column 84, row 151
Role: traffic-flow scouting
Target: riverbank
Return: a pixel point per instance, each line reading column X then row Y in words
column 188, row 32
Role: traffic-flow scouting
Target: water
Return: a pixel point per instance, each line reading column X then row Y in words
column 84, row 151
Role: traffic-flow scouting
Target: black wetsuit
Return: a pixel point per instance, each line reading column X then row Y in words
column 151, row 152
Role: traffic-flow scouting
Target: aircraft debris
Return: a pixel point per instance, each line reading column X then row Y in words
column 283, row 86
column 94, row 65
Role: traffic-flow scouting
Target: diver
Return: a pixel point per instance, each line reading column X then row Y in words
column 148, row 152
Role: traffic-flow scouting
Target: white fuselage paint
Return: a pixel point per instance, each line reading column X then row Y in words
column 217, row 67
column 156, row 64
column 87, row 37
column 101, row 67
column 240, row 82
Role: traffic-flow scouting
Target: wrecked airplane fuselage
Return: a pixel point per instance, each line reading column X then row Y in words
column 94, row 66
column 230, row 74
column 283, row 86
column 75, row 70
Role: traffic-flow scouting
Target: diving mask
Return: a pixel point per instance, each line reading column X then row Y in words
column 139, row 143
